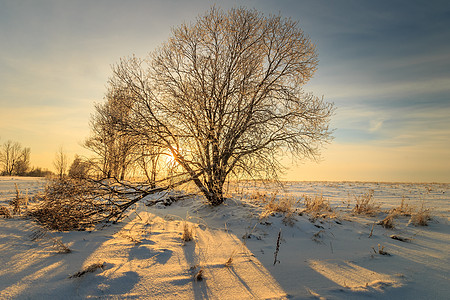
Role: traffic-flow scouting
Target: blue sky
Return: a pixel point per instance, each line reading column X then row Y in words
column 385, row 65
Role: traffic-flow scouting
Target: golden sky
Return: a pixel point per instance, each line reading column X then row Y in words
column 385, row 66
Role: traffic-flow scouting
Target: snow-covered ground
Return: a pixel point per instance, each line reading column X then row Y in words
column 233, row 249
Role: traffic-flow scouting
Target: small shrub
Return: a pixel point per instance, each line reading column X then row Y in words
column 421, row 217
column 365, row 205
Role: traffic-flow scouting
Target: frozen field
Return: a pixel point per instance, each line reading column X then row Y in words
column 30, row 185
column 240, row 250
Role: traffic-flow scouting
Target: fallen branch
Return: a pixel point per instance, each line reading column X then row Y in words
column 76, row 204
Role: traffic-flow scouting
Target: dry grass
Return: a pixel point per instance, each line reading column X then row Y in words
column 90, row 269
column 18, row 201
column 199, row 275
column 421, row 217
column 273, row 204
column 388, row 222
column 5, row 212
column 365, row 205
column 317, row 204
column 283, row 205
column 381, row 251
column 39, row 233
column 402, row 210
column 188, row 232
column 318, row 207
column 230, row 259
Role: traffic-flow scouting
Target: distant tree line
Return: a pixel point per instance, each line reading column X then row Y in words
column 15, row 160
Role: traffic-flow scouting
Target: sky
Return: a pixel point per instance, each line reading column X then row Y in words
column 384, row 64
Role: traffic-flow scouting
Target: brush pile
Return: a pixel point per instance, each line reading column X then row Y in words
column 77, row 204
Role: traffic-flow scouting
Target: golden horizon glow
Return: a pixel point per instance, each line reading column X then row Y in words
column 390, row 85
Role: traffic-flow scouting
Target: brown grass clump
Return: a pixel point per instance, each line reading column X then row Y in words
column 259, row 197
column 318, row 207
column 273, row 204
column 388, row 222
column 365, row 205
column 421, row 217
column 188, row 233
column 283, row 205
column 316, row 204
column 5, row 212
column 199, row 275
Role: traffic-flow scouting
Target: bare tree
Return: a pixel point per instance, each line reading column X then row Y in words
column 79, row 168
column 23, row 164
column 115, row 150
column 60, row 163
column 224, row 96
column 14, row 158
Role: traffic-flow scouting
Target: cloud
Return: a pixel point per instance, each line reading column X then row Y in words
column 375, row 125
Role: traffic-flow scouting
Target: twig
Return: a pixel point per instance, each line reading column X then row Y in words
column 371, row 231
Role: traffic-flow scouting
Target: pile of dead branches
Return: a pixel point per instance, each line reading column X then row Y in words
column 76, row 204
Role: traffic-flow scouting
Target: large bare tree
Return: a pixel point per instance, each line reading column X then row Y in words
column 224, row 96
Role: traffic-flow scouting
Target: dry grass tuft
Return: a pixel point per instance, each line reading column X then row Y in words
column 5, row 212
column 90, row 269
column 188, row 233
column 365, row 205
column 274, row 204
column 381, row 251
column 18, row 201
column 40, row 232
column 229, row 262
column 388, row 222
column 402, row 210
column 421, row 217
column 230, row 259
column 199, row 275
column 317, row 204
column 318, row 207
